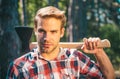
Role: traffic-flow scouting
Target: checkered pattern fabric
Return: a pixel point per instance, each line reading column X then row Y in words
column 70, row 64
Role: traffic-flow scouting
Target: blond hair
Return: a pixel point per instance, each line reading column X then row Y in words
column 48, row 12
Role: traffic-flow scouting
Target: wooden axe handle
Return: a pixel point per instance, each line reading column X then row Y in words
column 103, row 44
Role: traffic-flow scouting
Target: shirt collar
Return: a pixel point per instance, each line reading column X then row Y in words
column 63, row 54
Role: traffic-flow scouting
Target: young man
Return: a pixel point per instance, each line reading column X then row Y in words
column 49, row 61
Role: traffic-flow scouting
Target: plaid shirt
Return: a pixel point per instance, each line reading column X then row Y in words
column 70, row 64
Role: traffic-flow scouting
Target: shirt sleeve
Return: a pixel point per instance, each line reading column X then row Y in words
column 12, row 71
column 88, row 68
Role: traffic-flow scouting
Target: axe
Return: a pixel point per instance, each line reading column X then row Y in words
column 103, row 44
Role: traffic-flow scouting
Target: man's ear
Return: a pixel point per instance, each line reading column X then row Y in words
column 62, row 32
column 35, row 31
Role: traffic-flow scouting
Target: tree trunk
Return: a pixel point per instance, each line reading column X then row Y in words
column 24, row 14
column 70, row 23
column 82, row 24
column 9, row 41
column 77, row 24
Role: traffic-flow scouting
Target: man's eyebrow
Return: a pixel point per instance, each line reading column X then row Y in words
column 54, row 30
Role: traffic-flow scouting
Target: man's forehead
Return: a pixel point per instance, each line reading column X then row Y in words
column 51, row 20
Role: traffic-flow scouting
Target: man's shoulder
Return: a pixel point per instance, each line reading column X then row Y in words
column 26, row 58
column 75, row 53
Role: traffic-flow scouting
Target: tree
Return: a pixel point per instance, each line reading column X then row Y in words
column 9, row 43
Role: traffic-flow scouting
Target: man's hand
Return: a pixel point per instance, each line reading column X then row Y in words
column 90, row 45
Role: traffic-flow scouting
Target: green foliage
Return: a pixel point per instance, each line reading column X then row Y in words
column 32, row 6
column 112, row 33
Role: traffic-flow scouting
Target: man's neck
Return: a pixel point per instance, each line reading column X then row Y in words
column 51, row 55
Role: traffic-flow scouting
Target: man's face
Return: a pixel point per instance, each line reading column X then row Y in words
column 48, row 34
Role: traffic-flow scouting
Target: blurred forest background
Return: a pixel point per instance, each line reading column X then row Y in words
column 85, row 18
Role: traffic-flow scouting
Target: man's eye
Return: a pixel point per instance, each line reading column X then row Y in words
column 41, row 31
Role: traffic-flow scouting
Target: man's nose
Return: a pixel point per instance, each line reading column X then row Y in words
column 46, row 36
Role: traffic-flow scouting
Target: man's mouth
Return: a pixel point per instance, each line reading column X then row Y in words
column 47, row 45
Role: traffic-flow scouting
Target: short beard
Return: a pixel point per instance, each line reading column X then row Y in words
column 42, row 50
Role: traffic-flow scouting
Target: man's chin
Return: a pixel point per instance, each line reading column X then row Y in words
column 45, row 50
